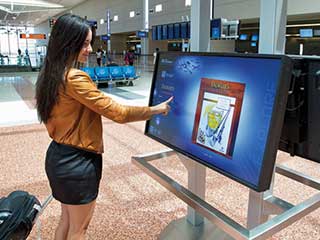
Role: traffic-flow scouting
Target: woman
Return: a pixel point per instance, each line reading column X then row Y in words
column 71, row 106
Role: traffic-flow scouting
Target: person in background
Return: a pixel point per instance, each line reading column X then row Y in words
column 71, row 106
column 99, row 56
column 104, row 57
column 129, row 58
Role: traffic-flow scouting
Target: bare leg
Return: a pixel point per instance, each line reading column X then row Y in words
column 79, row 219
column 63, row 227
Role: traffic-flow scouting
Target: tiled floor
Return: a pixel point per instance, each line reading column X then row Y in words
column 130, row 204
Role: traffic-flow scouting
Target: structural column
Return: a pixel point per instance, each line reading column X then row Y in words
column 272, row 40
column 109, row 31
column 200, row 25
column 145, row 41
column 273, row 21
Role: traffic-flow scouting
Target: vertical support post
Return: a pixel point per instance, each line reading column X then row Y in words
column 273, row 21
column 108, row 32
column 272, row 35
column 200, row 25
column 145, row 41
column 196, row 184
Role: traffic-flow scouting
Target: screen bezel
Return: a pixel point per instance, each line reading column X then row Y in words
column 276, row 122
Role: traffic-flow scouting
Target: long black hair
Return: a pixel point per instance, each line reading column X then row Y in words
column 66, row 41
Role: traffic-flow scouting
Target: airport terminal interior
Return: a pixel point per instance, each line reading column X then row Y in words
column 237, row 156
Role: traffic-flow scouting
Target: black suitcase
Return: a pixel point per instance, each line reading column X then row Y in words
column 18, row 212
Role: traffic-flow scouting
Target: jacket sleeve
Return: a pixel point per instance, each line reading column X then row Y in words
column 80, row 87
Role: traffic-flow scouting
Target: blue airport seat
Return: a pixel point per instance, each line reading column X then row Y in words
column 90, row 72
column 102, row 73
column 116, row 73
column 130, row 72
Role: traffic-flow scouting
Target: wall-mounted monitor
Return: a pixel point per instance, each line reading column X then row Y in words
column 159, row 32
column 306, row 32
column 177, row 33
column 164, row 32
column 154, row 33
column 216, row 28
column 184, row 30
column 253, row 44
column 170, row 31
column 227, row 111
column 243, row 37
column 316, row 32
column 254, row 37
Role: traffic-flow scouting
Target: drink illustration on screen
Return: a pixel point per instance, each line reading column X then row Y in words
column 217, row 115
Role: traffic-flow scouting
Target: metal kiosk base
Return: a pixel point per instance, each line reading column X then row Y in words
column 217, row 225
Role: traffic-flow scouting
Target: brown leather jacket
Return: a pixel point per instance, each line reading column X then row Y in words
column 76, row 118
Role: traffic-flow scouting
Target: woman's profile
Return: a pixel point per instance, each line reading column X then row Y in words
column 71, row 107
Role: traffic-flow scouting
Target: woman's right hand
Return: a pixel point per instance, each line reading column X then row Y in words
column 162, row 108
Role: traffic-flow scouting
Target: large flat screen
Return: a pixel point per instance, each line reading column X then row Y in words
column 227, row 112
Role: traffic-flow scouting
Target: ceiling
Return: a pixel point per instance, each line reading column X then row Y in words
column 23, row 14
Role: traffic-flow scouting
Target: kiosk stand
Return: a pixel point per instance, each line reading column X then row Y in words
column 217, row 225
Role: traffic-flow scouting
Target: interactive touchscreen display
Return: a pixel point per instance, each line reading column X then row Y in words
column 227, row 111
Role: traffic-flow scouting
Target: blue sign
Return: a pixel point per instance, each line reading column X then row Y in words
column 142, row 34
column 105, row 38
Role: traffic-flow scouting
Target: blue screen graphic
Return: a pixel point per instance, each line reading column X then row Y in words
column 183, row 77
column 305, row 32
column 215, row 32
column 243, row 37
column 254, row 37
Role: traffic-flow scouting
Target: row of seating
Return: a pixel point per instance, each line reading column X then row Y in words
column 114, row 73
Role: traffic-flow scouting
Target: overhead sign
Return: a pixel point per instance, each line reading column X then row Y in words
column 142, row 34
column 105, row 38
column 32, row 36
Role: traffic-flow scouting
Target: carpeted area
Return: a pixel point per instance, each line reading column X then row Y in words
column 131, row 205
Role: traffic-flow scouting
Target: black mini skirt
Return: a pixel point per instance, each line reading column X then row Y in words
column 74, row 174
